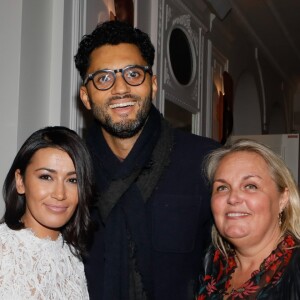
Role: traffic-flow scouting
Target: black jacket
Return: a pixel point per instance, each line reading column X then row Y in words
column 179, row 219
column 289, row 286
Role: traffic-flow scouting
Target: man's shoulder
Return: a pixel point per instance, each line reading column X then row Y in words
column 185, row 139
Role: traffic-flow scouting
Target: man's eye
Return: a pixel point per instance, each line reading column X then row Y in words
column 104, row 78
column 133, row 74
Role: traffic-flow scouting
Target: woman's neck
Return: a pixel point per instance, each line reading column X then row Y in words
column 249, row 259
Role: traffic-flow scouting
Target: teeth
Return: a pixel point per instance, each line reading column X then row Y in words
column 236, row 214
column 122, row 104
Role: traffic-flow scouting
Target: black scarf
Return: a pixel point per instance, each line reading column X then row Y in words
column 124, row 189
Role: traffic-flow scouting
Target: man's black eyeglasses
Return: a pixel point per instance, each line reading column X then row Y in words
column 105, row 79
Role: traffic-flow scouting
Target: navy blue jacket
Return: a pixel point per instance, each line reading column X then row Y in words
column 178, row 213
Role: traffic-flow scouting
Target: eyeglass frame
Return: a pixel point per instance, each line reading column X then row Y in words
column 146, row 69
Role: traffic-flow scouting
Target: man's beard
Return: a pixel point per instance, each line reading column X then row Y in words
column 125, row 128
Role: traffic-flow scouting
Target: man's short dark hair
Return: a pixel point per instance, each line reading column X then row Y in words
column 112, row 33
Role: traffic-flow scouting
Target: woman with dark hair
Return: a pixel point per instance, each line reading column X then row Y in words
column 46, row 224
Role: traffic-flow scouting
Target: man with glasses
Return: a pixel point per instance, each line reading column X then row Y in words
column 152, row 205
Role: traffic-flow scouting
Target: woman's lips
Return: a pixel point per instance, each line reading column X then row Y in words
column 236, row 214
column 56, row 208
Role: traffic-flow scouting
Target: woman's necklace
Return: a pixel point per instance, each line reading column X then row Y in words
column 231, row 291
column 231, row 287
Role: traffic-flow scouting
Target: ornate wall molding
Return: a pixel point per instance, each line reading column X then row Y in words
column 174, row 15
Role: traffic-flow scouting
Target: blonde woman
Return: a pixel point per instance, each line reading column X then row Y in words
column 256, row 208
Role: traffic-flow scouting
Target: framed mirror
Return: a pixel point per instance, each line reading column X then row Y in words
column 181, row 64
column 181, row 56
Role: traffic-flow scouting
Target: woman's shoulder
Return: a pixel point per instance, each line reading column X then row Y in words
column 25, row 240
column 6, row 233
column 26, row 261
column 289, row 285
column 11, row 243
column 4, row 228
column 294, row 264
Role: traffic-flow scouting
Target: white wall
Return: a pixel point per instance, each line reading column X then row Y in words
column 30, row 72
column 10, row 37
column 40, row 67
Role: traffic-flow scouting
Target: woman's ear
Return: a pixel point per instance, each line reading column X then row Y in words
column 19, row 182
column 284, row 200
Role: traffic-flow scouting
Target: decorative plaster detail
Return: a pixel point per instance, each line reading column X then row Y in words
column 180, row 102
column 160, row 22
column 167, row 77
column 174, row 14
column 195, row 91
column 168, row 15
column 185, row 21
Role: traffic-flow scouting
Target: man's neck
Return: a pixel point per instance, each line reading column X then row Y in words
column 120, row 147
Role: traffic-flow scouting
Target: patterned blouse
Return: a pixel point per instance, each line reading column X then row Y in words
column 219, row 272
column 38, row 269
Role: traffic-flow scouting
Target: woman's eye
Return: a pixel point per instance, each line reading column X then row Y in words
column 221, row 188
column 45, row 177
column 251, row 187
column 73, row 180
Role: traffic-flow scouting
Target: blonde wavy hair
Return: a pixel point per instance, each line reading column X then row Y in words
column 279, row 173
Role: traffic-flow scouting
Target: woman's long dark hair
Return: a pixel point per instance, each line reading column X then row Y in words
column 76, row 232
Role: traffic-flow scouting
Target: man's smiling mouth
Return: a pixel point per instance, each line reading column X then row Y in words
column 124, row 104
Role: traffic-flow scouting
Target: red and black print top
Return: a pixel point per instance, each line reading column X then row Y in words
column 219, row 271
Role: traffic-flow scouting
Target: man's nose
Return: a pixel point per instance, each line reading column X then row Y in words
column 120, row 86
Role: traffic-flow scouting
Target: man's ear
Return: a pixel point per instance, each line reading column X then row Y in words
column 154, row 86
column 85, row 97
column 19, row 182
